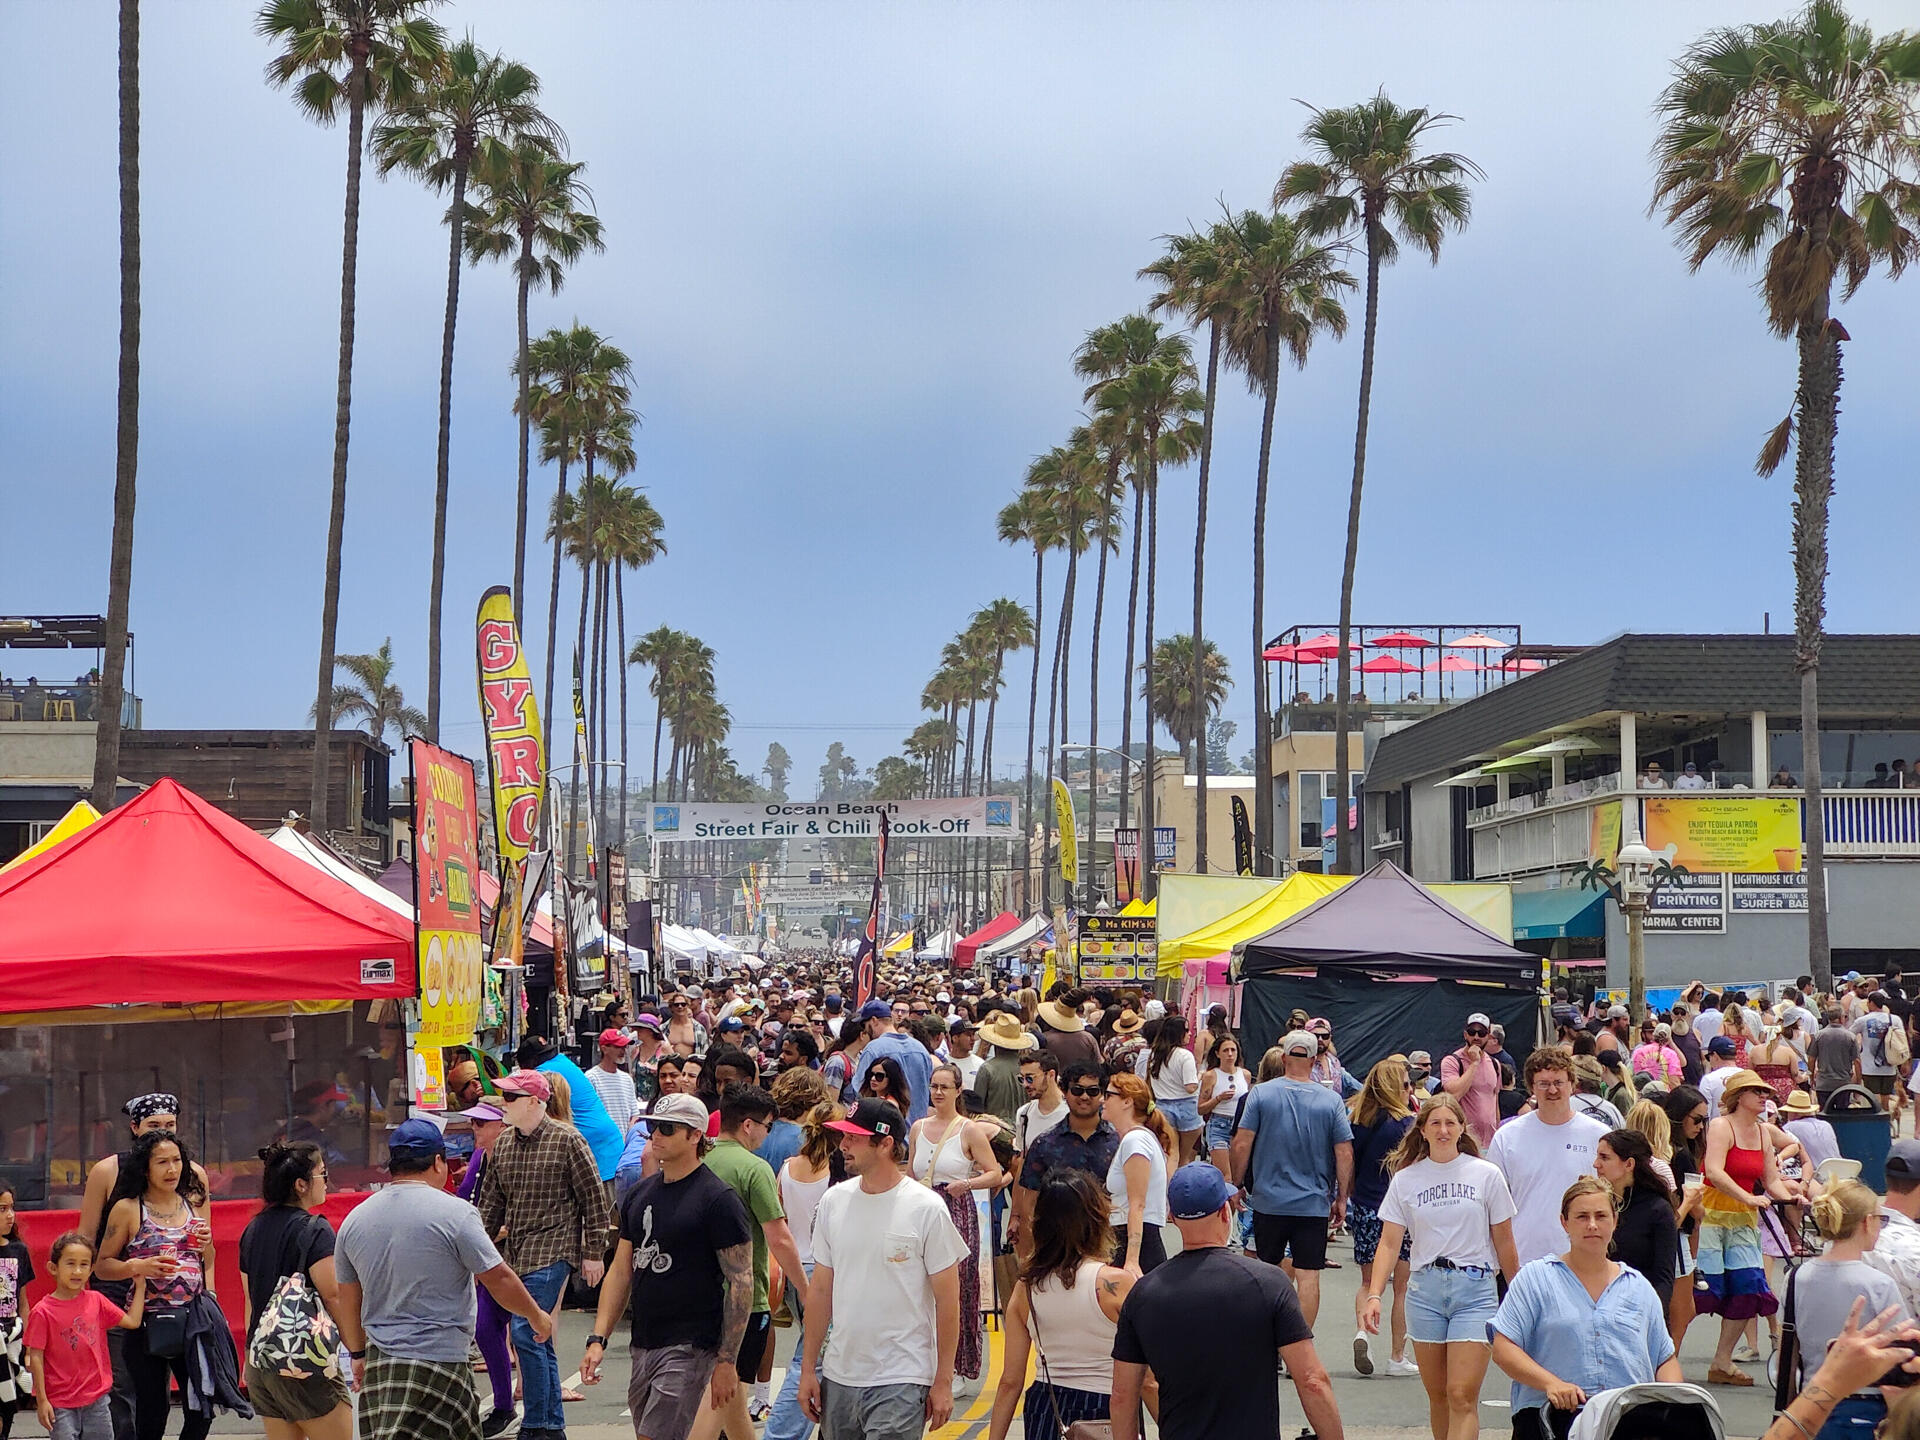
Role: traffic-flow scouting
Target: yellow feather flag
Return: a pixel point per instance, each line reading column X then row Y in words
column 1069, row 841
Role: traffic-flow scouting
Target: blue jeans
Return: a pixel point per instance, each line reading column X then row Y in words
column 788, row 1421
column 539, row 1369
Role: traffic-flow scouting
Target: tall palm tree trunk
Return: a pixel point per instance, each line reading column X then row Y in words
column 1818, row 404
column 1053, row 711
column 126, row 442
column 1126, row 686
column 520, row 490
column 1150, row 880
column 1092, row 858
column 1264, row 856
column 1070, row 597
column 659, row 719
column 620, row 610
column 456, row 225
column 1199, row 635
column 1033, row 702
column 553, row 606
column 1343, row 836
column 342, row 418
column 573, row 744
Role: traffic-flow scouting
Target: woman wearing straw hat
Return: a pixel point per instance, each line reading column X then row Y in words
column 1741, row 1181
column 1063, row 1031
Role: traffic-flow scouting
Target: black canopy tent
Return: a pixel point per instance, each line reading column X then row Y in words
column 1393, row 966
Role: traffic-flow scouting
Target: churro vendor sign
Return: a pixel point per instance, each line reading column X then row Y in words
column 447, row 903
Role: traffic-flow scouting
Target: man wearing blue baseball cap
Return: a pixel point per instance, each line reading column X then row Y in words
column 884, row 1042
column 1209, row 1313
column 406, row 1260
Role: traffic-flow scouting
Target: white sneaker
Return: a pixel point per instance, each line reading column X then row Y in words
column 1402, row 1367
column 1362, row 1354
column 1745, row 1353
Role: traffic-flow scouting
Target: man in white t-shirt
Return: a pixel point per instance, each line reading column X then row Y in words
column 1046, row 1106
column 1543, row 1153
column 886, row 1280
column 1876, row 1071
column 960, row 1049
column 1707, row 1023
column 1719, row 1054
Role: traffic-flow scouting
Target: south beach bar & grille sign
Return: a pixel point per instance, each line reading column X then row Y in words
column 981, row 817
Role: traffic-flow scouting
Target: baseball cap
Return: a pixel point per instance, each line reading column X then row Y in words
column 525, row 1082
column 1903, row 1159
column 1721, row 1045
column 730, row 1025
column 482, row 1111
column 1197, row 1191
column 680, row 1110
column 1618, row 1012
column 618, row 1039
column 833, row 1002
column 871, row 1118
column 960, row 1023
column 1300, row 1042
column 876, row 1010
column 1320, row 1025
column 1478, row 1019
column 416, row 1138
column 943, row 998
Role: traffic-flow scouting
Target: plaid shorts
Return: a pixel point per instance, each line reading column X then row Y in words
column 418, row 1400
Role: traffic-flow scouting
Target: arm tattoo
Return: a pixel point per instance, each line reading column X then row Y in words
column 736, row 1266
column 1109, row 1287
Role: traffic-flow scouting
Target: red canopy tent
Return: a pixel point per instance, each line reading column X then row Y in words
column 169, row 900
column 965, row 950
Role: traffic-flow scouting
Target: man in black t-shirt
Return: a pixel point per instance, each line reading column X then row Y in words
column 686, row 1256
column 1214, row 1327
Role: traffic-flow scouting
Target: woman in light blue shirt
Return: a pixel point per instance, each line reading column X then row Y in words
column 1573, row 1325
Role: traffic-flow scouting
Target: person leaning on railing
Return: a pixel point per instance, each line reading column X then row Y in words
column 1858, row 1356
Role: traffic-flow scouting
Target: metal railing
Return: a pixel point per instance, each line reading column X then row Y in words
column 78, row 703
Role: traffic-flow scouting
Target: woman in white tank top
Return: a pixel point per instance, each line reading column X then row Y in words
column 953, row 1157
column 1066, row 1306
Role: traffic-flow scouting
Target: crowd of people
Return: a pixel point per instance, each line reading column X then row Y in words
column 1148, row 1214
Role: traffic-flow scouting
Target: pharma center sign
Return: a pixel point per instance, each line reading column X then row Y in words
column 981, row 817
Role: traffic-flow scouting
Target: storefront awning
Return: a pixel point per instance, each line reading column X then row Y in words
column 1563, row 914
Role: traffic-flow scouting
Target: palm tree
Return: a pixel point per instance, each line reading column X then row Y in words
column 1106, row 355
column 1797, row 139
column 1368, row 173
column 671, row 655
column 533, row 209
column 1183, row 709
column 577, row 377
column 1029, row 520
column 1284, row 288
column 126, row 444
column 1160, row 401
column 476, row 99
column 375, row 696
column 349, row 53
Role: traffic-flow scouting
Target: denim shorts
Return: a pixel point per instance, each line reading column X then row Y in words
column 1183, row 1114
column 1219, row 1129
column 1445, row 1306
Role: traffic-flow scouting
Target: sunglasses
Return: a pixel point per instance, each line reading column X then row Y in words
column 1108, row 1094
column 1698, row 1118
column 1087, row 1092
column 1477, row 1032
column 670, row 1128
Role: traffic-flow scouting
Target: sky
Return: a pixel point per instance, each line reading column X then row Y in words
column 851, row 248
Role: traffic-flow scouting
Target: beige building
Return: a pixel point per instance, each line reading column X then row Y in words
column 1175, row 794
column 1304, row 771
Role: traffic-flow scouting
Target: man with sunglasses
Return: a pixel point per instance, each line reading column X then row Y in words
column 1472, row 1077
column 1083, row 1141
column 685, row 1035
column 686, row 1258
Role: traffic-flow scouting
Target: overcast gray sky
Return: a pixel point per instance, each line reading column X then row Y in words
column 851, row 249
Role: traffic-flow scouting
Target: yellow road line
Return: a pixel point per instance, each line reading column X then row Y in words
column 981, row 1407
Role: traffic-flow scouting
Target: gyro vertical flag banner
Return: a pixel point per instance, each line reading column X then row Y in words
column 869, row 953
column 1242, row 839
column 515, row 759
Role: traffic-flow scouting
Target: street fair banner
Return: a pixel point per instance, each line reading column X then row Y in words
column 1126, row 865
column 446, row 858
column 1752, row 835
column 979, row 817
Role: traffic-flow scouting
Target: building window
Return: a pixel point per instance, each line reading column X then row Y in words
column 1311, row 789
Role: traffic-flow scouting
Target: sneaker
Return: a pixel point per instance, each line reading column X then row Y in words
column 499, row 1423
column 1744, row 1353
column 1362, row 1354
column 1400, row 1367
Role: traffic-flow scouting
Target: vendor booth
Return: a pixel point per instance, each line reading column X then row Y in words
column 168, row 947
column 1393, row 966
column 966, row 951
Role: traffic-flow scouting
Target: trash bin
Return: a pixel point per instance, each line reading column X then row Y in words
column 1864, row 1132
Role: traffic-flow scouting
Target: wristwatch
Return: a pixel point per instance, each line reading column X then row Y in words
column 599, row 1340
column 356, row 1354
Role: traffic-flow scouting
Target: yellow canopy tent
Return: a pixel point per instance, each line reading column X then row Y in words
column 899, row 946
column 70, row 824
column 1256, row 917
column 1137, row 906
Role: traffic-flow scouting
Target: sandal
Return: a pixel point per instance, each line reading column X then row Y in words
column 1717, row 1376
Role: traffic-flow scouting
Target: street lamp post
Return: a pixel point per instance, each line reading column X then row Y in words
column 1635, row 869
column 1090, row 888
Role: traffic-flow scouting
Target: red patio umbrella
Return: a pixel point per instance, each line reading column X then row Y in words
column 1388, row 665
column 1284, row 652
column 1322, row 646
column 1452, row 664
column 1400, row 640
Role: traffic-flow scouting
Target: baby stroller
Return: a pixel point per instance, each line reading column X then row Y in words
column 1649, row 1412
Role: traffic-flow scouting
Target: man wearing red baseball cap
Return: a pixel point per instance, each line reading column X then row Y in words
column 543, row 1187
column 886, row 1279
column 612, row 1083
